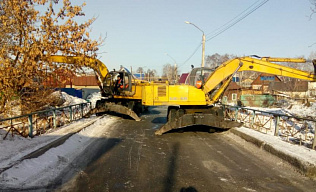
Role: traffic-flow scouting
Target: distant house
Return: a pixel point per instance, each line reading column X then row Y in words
column 63, row 78
column 263, row 80
column 79, row 82
column 293, row 89
column 140, row 76
column 232, row 93
column 183, row 77
column 59, row 78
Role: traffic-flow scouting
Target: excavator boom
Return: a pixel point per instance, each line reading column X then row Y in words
column 263, row 65
column 95, row 64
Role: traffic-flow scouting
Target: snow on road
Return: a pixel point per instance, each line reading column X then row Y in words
column 42, row 171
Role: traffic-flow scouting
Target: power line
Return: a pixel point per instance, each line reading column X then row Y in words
column 232, row 19
column 238, row 20
column 228, row 25
column 196, row 49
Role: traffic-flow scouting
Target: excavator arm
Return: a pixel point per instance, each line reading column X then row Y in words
column 224, row 72
column 100, row 69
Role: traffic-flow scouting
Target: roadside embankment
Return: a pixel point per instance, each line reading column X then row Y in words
column 302, row 158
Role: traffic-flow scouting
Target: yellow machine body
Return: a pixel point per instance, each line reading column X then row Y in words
column 153, row 95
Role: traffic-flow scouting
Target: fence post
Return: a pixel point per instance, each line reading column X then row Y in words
column 70, row 113
column 314, row 142
column 224, row 111
column 236, row 113
column 81, row 106
column 30, row 125
column 54, row 118
column 276, row 129
column 252, row 119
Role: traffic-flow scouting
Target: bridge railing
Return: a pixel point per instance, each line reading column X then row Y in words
column 40, row 122
column 290, row 128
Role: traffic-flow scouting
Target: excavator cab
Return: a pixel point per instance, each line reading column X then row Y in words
column 117, row 83
column 198, row 76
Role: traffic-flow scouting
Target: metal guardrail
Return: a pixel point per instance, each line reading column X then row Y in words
column 39, row 122
column 290, row 128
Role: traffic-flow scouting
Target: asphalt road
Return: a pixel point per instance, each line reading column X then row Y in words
column 134, row 159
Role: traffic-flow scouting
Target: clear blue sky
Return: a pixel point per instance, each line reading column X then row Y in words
column 140, row 32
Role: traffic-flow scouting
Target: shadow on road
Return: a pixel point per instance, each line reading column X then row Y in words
column 170, row 180
column 159, row 120
column 188, row 189
column 90, row 155
column 170, row 177
column 197, row 128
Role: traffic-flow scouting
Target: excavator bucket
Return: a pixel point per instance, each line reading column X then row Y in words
column 207, row 119
column 103, row 107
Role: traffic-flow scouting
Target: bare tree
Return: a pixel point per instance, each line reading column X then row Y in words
column 170, row 72
column 217, row 59
column 313, row 7
column 28, row 36
column 151, row 74
column 139, row 70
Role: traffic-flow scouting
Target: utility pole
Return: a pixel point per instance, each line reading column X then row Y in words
column 203, row 50
column 203, row 42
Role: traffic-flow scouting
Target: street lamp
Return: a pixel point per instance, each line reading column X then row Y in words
column 203, row 41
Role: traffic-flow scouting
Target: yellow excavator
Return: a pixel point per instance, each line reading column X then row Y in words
column 122, row 97
column 192, row 103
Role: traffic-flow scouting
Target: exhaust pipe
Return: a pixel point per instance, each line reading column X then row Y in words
column 314, row 63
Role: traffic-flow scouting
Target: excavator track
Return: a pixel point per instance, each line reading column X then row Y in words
column 178, row 119
column 103, row 107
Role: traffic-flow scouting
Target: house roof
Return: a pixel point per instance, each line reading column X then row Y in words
column 233, row 85
column 183, row 77
column 263, row 79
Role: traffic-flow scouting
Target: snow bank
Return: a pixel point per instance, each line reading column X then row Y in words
column 93, row 98
column 295, row 109
column 67, row 99
column 301, row 110
column 15, row 147
column 43, row 170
